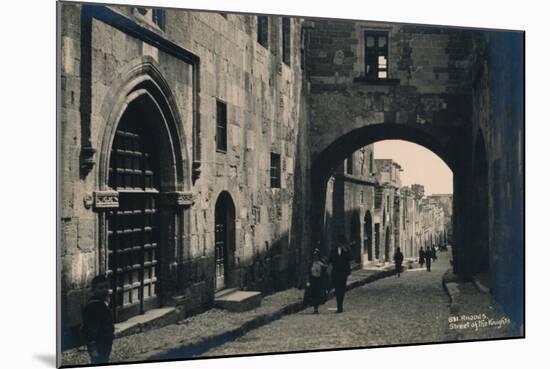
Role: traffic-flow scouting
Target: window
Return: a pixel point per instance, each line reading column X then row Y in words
column 376, row 54
column 262, row 30
column 349, row 164
column 275, row 170
column 221, row 126
column 362, row 197
column 286, row 40
column 159, row 18
column 155, row 16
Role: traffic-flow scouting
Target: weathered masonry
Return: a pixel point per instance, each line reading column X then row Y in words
column 197, row 147
column 179, row 136
column 444, row 89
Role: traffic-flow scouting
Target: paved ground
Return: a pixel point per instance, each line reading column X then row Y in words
column 195, row 335
column 411, row 309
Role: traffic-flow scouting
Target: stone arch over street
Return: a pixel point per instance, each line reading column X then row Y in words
column 326, row 161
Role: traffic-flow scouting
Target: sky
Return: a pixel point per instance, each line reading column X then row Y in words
column 419, row 164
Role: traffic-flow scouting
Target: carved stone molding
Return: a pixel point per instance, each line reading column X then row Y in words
column 105, row 199
column 178, row 198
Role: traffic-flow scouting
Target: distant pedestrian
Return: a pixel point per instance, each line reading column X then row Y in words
column 98, row 326
column 428, row 256
column 340, row 260
column 434, row 253
column 398, row 259
column 316, row 288
column 421, row 257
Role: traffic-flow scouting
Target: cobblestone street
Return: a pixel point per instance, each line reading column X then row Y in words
column 411, row 309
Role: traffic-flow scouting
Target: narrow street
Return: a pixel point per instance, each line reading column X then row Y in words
column 411, row 309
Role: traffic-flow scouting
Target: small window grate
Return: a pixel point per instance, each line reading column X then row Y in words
column 376, row 54
column 221, row 126
column 263, row 30
column 275, row 170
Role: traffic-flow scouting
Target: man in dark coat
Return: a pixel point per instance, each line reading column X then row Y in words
column 428, row 256
column 422, row 257
column 398, row 259
column 98, row 326
column 339, row 259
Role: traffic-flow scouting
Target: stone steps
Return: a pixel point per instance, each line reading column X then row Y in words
column 237, row 301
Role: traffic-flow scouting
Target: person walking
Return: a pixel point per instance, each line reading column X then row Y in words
column 428, row 256
column 316, row 287
column 421, row 257
column 398, row 259
column 98, row 325
column 340, row 260
column 434, row 254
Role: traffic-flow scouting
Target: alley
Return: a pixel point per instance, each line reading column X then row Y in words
column 411, row 309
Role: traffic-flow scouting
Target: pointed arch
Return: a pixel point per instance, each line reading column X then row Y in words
column 143, row 79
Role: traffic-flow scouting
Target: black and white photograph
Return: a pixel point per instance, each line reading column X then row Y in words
column 235, row 183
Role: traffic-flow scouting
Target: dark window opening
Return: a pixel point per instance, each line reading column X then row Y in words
column 275, row 170
column 156, row 16
column 159, row 18
column 286, row 40
column 221, row 126
column 349, row 164
column 262, row 30
column 376, row 54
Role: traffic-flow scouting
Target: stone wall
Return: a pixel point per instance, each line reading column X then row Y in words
column 266, row 113
column 498, row 120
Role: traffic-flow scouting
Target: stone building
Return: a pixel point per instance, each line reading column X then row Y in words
column 200, row 151
column 180, row 170
column 388, row 208
column 409, row 244
column 446, row 203
column 353, row 194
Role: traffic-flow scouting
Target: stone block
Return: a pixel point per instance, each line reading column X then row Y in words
column 86, row 234
column 69, row 235
column 72, row 307
column 238, row 301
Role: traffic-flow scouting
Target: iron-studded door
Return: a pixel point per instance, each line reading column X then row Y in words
column 221, row 246
column 133, row 237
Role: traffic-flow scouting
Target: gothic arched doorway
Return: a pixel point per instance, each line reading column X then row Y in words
column 134, row 228
column 224, row 244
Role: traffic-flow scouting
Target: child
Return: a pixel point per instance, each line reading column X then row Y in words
column 98, row 326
